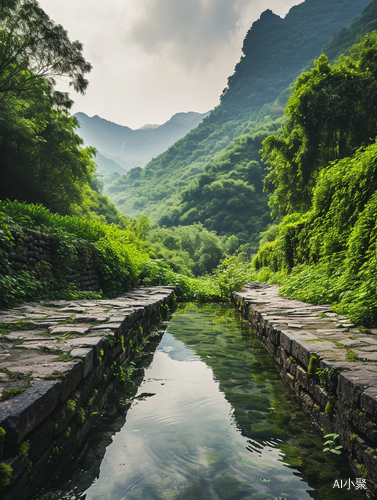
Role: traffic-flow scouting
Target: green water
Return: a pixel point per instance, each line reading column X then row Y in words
column 211, row 419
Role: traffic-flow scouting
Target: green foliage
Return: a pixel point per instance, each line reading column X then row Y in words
column 42, row 157
column 324, row 375
column 231, row 275
column 23, row 448
column 125, row 372
column 64, row 358
column 6, row 472
column 312, row 365
column 190, row 250
column 351, row 356
column 331, row 255
column 31, row 40
column 10, row 393
column 331, row 444
column 228, row 197
column 363, row 470
column 2, row 431
column 328, row 253
column 332, row 112
column 71, row 405
column 347, row 37
column 51, row 167
column 328, row 409
column 255, row 95
column 117, row 254
column 81, row 415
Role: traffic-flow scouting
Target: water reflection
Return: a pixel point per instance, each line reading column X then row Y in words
column 211, row 420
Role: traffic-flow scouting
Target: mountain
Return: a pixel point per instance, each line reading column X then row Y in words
column 347, row 37
column 128, row 148
column 275, row 51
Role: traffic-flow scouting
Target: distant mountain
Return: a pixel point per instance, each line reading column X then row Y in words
column 127, row 148
column 172, row 188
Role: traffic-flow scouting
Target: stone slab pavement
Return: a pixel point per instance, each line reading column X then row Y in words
column 45, row 340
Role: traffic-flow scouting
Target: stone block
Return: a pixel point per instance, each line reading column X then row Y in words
column 302, row 377
column 270, row 346
column 68, row 329
column 71, row 379
column 87, row 356
column 300, row 352
column 320, row 396
column 24, row 412
column 96, row 343
column 286, row 342
column 350, row 386
column 40, row 440
column 368, row 400
column 274, row 335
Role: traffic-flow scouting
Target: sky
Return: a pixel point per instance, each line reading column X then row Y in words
column 154, row 58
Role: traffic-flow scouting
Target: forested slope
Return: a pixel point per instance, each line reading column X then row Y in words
column 323, row 171
column 274, row 52
column 228, row 197
column 347, row 37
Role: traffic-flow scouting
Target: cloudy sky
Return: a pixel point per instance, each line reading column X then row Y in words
column 154, row 58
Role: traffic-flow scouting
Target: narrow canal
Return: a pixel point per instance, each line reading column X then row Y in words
column 207, row 417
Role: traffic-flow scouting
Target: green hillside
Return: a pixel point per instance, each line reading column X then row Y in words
column 274, row 52
column 323, row 172
column 347, row 37
column 228, row 197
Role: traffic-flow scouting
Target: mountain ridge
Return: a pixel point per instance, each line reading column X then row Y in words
column 254, row 96
column 129, row 147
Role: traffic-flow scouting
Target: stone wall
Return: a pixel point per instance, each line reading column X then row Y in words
column 65, row 359
column 328, row 363
column 35, row 251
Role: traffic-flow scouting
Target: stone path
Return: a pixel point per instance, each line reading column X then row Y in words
column 43, row 340
column 323, row 332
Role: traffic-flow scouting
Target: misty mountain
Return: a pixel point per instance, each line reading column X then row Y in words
column 122, row 148
column 172, row 187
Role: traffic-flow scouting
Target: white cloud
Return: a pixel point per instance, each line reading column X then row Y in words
column 153, row 58
column 192, row 32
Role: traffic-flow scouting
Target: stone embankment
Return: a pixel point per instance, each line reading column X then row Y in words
column 59, row 363
column 33, row 250
column 329, row 363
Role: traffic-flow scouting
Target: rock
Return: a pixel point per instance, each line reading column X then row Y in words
column 21, row 414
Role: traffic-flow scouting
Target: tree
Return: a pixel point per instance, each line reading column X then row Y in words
column 332, row 112
column 41, row 156
column 34, row 50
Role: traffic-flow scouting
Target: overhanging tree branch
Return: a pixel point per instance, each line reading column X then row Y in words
column 30, row 40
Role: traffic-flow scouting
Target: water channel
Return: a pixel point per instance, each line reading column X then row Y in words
column 206, row 418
